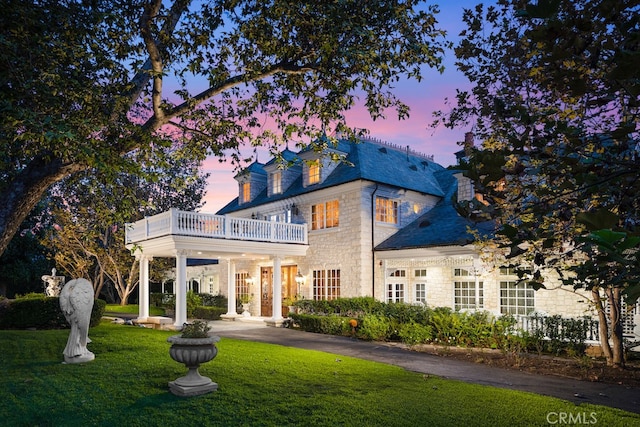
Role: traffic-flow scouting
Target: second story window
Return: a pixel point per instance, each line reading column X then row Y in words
column 276, row 182
column 325, row 215
column 314, row 172
column 246, row 192
column 386, row 210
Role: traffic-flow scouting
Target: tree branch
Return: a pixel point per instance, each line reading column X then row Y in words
column 282, row 67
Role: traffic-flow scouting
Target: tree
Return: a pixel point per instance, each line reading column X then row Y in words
column 555, row 89
column 25, row 261
column 85, row 84
column 88, row 237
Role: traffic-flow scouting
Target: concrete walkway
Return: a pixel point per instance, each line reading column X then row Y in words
column 616, row 396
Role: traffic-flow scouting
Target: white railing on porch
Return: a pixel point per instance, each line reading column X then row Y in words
column 196, row 224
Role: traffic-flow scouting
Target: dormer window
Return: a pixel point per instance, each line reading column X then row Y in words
column 246, row 192
column 386, row 210
column 276, row 182
column 314, row 171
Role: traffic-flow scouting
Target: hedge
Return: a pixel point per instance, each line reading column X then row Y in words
column 208, row 313
column 41, row 313
column 331, row 325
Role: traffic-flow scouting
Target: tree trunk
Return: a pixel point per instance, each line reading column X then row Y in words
column 26, row 189
column 603, row 327
column 615, row 305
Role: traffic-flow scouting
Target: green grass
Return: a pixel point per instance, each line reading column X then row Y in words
column 131, row 309
column 259, row 385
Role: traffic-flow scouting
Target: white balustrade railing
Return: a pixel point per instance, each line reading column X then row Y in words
column 215, row 226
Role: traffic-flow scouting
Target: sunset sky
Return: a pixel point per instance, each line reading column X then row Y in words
column 423, row 98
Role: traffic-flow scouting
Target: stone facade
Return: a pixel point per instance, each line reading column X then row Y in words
column 439, row 275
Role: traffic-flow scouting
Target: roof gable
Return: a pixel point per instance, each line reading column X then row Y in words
column 440, row 226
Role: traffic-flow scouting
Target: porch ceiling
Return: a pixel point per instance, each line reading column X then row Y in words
column 209, row 248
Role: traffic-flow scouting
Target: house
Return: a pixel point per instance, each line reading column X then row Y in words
column 378, row 220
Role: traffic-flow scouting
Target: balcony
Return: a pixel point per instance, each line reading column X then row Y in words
column 193, row 224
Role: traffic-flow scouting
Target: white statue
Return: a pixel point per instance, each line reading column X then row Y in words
column 76, row 302
column 54, row 283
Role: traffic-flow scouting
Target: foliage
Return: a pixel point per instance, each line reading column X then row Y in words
column 417, row 324
column 25, row 259
column 41, row 312
column 555, row 102
column 415, row 333
column 313, row 388
column 75, row 96
column 347, row 307
column 218, row 300
column 89, row 218
column 374, row 327
column 329, row 324
column 208, row 313
column 195, row 329
column 193, row 301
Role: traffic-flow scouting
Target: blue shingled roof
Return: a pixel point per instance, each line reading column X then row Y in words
column 441, row 226
column 364, row 161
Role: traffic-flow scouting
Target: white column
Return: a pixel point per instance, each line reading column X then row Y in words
column 143, row 287
column 180, row 289
column 231, row 289
column 277, row 288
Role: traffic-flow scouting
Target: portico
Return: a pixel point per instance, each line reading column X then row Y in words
column 181, row 235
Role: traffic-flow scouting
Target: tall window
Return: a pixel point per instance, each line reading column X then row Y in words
column 242, row 286
column 246, row 192
column 395, row 286
column 516, row 299
column 386, row 210
column 326, row 284
column 325, row 215
column 276, row 182
column 420, row 285
column 314, row 172
column 468, row 295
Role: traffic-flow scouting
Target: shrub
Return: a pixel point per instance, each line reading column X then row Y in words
column 193, row 301
column 405, row 313
column 330, row 325
column 41, row 313
column 208, row 313
column 415, row 333
column 209, row 300
column 375, row 327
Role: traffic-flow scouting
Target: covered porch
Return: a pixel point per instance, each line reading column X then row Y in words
column 181, row 235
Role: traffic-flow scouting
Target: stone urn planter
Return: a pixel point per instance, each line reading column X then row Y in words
column 192, row 352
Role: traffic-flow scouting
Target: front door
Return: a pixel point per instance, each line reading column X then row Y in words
column 266, row 291
column 288, row 274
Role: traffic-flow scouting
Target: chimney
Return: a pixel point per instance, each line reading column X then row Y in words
column 468, row 143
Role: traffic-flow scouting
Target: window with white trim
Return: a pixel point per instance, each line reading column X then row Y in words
column 386, row 210
column 516, row 298
column 325, row 215
column 246, row 192
column 420, row 287
column 467, row 291
column 276, row 182
column 421, row 293
column 314, row 172
column 326, row 284
column 396, row 283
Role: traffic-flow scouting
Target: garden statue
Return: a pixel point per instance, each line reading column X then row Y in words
column 53, row 284
column 76, row 302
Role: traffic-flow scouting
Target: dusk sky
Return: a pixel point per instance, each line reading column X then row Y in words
column 423, row 98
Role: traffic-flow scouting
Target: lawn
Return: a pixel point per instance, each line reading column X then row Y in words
column 259, row 385
column 131, row 309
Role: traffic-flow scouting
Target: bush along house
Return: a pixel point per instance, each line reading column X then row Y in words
column 362, row 219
